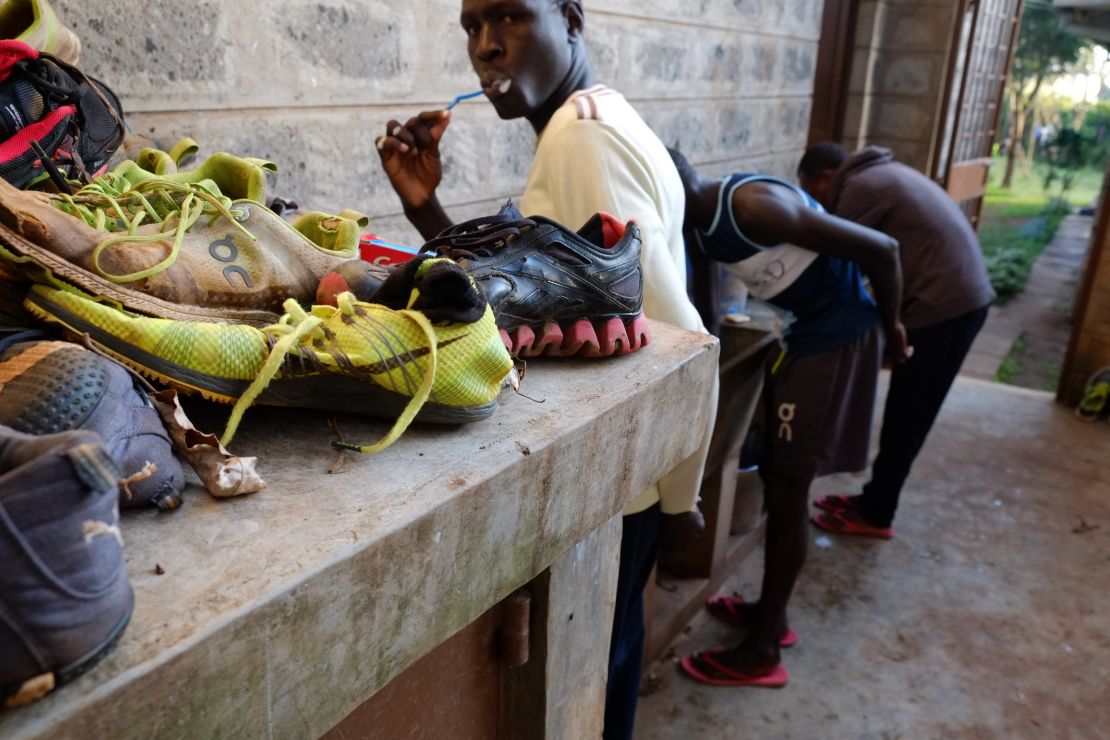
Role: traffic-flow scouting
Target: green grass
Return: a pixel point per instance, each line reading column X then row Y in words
column 1008, row 252
column 1011, row 366
column 1026, row 366
column 1029, row 189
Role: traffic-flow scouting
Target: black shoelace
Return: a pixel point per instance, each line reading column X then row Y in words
column 479, row 237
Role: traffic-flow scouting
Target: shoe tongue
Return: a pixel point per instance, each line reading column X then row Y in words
column 603, row 230
column 338, row 234
column 510, row 211
column 612, row 229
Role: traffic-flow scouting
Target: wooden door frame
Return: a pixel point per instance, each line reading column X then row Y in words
column 957, row 33
column 1099, row 237
column 833, row 70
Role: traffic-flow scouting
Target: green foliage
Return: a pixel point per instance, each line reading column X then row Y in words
column 1096, row 130
column 1011, row 243
column 1043, row 49
column 1067, row 153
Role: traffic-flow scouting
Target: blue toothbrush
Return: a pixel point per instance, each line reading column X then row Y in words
column 460, row 98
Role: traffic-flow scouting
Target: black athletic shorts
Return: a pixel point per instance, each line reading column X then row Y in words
column 819, row 407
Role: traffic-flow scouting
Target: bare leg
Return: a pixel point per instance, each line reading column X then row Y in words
column 787, row 499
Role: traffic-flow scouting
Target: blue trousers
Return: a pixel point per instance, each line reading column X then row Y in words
column 639, row 550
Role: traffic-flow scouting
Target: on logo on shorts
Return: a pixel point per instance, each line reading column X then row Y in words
column 786, row 416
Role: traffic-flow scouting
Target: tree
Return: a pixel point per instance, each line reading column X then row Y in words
column 1043, row 50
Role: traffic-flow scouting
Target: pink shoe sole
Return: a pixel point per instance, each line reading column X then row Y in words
column 581, row 338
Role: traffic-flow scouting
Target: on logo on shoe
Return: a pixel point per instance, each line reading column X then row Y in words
column 225, row 250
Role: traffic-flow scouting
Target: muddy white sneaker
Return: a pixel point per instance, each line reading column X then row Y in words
column 173, row 249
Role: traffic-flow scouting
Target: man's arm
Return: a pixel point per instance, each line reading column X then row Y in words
column 410, row 159
column 772, row 214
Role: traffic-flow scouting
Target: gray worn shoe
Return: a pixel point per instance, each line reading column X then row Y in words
column 64, row 594
column 48, row 387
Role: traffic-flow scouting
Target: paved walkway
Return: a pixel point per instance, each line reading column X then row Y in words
column 1040, row 316
column 985, row 617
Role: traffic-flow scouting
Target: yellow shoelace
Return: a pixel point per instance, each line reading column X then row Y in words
column 113, row 205
column 301, row 331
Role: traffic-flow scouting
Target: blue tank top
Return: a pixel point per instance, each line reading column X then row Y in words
column 826, row 295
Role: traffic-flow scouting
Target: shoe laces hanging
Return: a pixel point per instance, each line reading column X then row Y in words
column 305, row 335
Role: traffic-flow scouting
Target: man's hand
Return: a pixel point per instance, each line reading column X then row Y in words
column 898, row 349
column 410, row 157
column 679, row 530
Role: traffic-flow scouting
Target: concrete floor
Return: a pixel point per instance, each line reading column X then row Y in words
column 988, row 615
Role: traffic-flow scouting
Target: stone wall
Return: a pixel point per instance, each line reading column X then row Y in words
column 311, row 85
column 898, row 74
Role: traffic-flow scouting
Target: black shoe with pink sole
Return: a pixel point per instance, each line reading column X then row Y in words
column 554, row 291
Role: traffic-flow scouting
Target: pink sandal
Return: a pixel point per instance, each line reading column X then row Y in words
column 724, row 607
column 836, row 502
column 850, row 523
column 698, row 666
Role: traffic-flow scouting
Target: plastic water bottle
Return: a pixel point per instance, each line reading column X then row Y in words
column 734, row 297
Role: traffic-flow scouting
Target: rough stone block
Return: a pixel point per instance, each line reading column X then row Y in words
column 908, row 74
column 279, row 613
column 917, row 27
column 750, row 12
column 761, row 60
column 256, row 54
column 736, row 132
column 659, row 58
column 673, row 123
column 605, row 51
column 720, row 59
column 798, row 67
column 327, row 160
column 803, row 17
column 159, row 45
column 901, row 118
column 792, row 116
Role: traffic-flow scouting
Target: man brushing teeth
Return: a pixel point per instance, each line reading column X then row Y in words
column 593, row 153
column 496, row 86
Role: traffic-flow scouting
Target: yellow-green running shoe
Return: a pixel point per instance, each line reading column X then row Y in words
column 175, row 246
column 357, row 357
column 1096, row 396
column 35, row 23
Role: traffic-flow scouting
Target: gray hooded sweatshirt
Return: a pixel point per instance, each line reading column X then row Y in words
column 943, row 275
